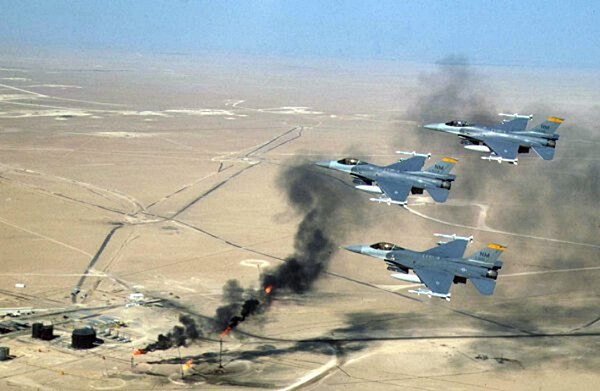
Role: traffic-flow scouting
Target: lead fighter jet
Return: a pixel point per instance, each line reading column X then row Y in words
column 506, row 140
column 396, row 181
column 439, row 267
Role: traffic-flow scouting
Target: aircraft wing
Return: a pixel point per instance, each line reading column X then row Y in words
column 438, row 282
column 414, row 163
column 453, row 249
column 397, row 191
column 502, row 148
column 518, row 124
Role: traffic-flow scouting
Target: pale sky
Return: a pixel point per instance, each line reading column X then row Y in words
column 530, row 33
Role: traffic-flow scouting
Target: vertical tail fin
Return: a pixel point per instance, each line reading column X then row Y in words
column 488, row 256
column 549, row 126
column 442, row 167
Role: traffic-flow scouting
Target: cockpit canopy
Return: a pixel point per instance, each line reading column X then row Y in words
column 385, row 246
column 350, row 161
column 459, row 124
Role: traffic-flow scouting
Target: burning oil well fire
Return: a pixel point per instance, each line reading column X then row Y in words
column 324, row 204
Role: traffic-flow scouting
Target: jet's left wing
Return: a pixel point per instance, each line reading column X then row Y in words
column 518, row 124
column 414, row 163
column 439, row 282
column 453, row 249
column 396, row 191
column 504, row 149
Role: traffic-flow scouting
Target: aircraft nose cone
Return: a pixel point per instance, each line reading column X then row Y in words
column 355, row 248
column 432, row 126
column 324, row 163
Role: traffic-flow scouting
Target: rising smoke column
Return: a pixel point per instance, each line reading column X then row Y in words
column 454, row 91
column 239, row 304
column 328, row 208
column 179, row 336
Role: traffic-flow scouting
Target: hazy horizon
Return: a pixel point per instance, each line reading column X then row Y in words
column 530, row 34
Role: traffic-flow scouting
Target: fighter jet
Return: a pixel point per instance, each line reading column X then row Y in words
column 506, row 140
column 438, row 268
column 397, row 180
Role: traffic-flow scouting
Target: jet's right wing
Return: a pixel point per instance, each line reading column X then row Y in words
column 505, row 149
column 439, row 282
column 396, row 191
column 414, row 163
column 453, row 249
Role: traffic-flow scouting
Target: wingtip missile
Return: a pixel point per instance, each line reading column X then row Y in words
column 499, row 159
column 414, row 153
column 454, row 237
column 388, row 201
column 516, row 115
column 430, row 293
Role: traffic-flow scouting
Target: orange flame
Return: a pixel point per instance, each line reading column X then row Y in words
column 188, row 364
column 268, row 289
column 138, row 352
column 225, row 332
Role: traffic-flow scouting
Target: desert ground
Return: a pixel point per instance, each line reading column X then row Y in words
column 173, row 175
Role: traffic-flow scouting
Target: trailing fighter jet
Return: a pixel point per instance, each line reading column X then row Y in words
column 439, row 267
column 397, row 180
column 506, row 140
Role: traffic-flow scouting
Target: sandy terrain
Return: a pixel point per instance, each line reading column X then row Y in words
column 164, row 177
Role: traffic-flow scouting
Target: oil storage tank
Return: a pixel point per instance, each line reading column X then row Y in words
column 83, row 338
column 36, row 330
column 4, row 353
column 47, row 332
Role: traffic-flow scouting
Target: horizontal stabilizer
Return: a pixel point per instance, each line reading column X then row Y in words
column 546, row 153
column 485, row 286
column 438, row 194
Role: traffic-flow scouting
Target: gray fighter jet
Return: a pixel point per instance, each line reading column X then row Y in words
column 438, row 268
column 506, row 140
column 397, row 180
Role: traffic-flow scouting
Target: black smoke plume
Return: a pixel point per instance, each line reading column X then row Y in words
column 453, row 91
column 328, row 207
column 179, row 336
